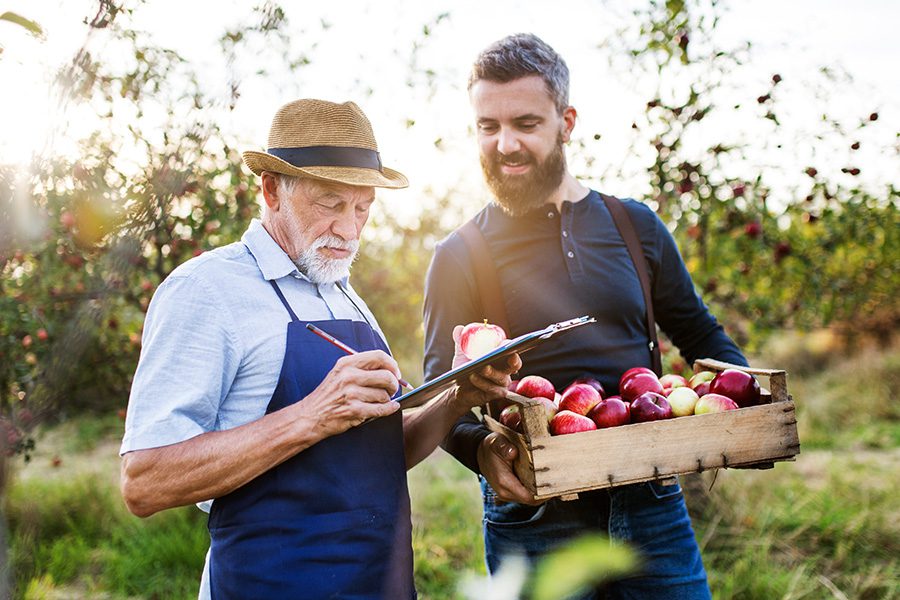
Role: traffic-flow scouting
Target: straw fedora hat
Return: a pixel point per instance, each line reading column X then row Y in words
column 324, row 140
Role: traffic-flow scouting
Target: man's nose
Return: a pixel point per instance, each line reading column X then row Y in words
column 508, row 142
column 345, row 226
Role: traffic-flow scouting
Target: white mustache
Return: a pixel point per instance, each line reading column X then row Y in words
column 332, row 241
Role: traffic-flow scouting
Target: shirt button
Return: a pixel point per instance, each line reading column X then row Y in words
column 565, row 234
column 550, row 215
column 571, row 254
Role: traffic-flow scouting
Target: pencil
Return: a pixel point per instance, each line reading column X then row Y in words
column 330, row 338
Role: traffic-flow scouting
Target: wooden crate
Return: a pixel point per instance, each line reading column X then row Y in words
column 567, row 464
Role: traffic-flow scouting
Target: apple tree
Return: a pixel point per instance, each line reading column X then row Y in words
column 769, row 246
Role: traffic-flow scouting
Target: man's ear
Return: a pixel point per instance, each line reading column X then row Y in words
column 270, row 190
column 569, row 115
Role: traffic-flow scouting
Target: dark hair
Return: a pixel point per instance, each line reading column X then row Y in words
column 521, row 55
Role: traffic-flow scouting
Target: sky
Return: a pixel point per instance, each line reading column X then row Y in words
column 364, row 55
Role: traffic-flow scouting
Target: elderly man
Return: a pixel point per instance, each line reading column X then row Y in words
column 547, row 231
column 300, row 445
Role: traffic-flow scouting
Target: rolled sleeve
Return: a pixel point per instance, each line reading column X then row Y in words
column 189, row 358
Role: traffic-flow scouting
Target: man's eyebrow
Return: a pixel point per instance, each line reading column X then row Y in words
column 528, row 117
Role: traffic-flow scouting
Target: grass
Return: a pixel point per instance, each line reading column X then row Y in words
column 78, row 532
column 446, row 505
column 826, row 526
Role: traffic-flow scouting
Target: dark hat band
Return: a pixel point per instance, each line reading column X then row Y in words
column 329, row 156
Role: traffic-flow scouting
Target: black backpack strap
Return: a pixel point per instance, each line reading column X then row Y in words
column 625, row 225
column 485, row 276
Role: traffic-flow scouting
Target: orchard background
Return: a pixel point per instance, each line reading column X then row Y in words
column 782, row 194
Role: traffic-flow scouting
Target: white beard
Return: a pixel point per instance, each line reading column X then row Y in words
column 320, row 269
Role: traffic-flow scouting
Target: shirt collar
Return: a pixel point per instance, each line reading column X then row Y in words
column 273, row 261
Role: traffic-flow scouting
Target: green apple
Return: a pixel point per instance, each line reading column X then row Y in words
column 682, row 399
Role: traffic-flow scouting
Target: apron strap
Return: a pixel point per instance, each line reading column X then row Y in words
column 283, row 300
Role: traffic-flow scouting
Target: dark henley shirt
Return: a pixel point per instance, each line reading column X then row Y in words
column 555, row 266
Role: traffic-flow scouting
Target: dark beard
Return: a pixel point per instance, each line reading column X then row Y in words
column 521, row 194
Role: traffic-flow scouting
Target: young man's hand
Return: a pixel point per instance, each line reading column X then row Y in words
column 496, row 455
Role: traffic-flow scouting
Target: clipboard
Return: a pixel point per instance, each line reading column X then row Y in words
column 523, row 343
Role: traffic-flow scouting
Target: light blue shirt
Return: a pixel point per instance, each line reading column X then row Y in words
column 214, row 339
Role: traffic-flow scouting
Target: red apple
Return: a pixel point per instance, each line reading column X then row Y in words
column 611, row 412
column 534, row 386
column 638, row 384
column 682, row 400
column 42, row 334
column 511, row 416
column 631, row 373
column 617, row 398
column 712, row 403
column 702, row 388
column 566, row 422
column 740, row 386
column 650, row 406
column 591, row 382
column 579, row 398
column 672, row 381
column 477, row 339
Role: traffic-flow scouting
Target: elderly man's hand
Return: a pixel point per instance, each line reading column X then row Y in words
column 488, row 383
column 359, row 387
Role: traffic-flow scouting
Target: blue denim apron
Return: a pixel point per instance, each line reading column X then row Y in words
column 331, row 522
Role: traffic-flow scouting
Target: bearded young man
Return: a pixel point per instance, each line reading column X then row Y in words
column 300, row 446
column 559, row 254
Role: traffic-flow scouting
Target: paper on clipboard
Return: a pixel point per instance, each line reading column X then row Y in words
column 523, row 343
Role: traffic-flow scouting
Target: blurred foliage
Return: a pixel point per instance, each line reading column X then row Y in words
column 822, row 253
column 587, row 561
column 85, row 243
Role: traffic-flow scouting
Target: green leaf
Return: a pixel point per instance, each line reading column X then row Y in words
column 28, row 24
column 581, row 564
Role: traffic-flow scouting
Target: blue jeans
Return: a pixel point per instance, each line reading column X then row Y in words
column 651, row 517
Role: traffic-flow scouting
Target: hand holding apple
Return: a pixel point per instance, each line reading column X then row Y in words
column 491, row 382
column 477, row 339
